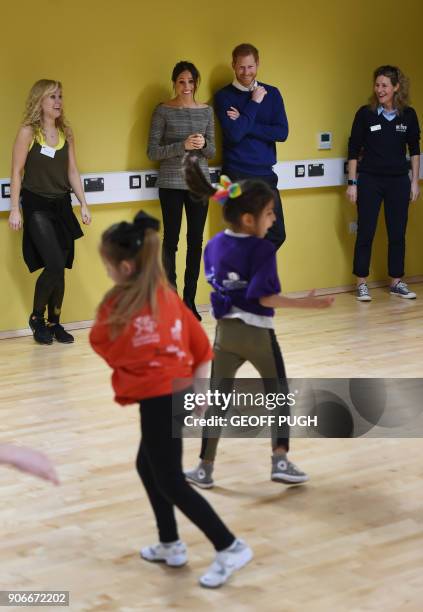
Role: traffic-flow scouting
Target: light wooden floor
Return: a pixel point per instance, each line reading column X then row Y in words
column 350, row 540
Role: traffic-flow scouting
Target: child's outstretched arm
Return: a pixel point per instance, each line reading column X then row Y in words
column 28, row 460
column 309, row 301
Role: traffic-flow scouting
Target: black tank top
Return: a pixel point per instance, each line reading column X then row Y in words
column 44, row 175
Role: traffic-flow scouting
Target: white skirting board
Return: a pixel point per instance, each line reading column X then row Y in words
column 204, row 308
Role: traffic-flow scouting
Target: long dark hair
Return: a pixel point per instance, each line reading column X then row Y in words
column 189, row 66
column 138, row 242
column 253, row 198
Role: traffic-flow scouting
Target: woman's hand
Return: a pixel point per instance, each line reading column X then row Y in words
column 233, row 113
column 414, row 193
column 194, row 141
column 352, row 193
column 85, row 214
column 15, row 219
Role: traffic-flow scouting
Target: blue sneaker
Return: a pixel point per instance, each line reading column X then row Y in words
column 401, row 290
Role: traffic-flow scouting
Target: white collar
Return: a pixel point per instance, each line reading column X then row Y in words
column 229, row 232
column 238, row 85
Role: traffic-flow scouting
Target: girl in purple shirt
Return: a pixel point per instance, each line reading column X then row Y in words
column 241, row 267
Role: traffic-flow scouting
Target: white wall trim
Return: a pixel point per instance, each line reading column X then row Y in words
column 115, row 186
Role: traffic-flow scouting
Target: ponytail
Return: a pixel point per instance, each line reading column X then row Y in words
column 138, row 242
column 195, row 179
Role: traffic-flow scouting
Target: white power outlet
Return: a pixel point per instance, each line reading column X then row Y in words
column 352, row 227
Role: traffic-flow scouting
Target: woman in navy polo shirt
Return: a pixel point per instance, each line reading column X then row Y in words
column 380, row 135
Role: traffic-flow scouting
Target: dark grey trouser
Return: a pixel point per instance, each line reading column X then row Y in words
column 235, row 343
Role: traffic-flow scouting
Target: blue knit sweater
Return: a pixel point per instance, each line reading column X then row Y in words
column 249, row 141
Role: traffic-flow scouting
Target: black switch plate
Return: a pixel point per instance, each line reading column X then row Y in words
column 215, row 176
column 93, row 184
column 316, row 169
column 299, row 170
column 150, row 180
column 5, row 190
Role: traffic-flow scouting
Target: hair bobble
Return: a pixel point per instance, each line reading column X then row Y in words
column 226, row 190
column 143, row 221
column 131, row 235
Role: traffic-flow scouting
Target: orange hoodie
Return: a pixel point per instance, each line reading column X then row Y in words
column 150, row 353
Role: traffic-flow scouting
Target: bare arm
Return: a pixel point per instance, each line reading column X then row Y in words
column 75, row 180
column 29, row 461
column 309, row 301
column 19, row 155
column 415, row 171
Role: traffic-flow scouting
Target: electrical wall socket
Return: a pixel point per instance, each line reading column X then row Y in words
column 352, row 227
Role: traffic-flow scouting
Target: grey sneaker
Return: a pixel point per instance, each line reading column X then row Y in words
column 286, row 472
column 201, row 476
column 401, row 290
column 173, row 554
column 226, row 563
column 362, row 293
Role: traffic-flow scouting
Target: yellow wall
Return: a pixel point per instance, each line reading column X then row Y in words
column 115, row 61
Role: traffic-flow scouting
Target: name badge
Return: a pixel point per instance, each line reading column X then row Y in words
column 375, row 128
column 49, row 151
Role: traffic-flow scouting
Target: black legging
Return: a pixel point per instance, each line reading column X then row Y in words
column 172, row 202
column 50, row 285
column 159, row 464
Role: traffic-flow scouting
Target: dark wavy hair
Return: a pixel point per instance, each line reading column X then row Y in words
column 189, row 66
column 394, row 74
column 255, row 194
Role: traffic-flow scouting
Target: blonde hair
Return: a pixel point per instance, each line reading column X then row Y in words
column 129, row 242
column 33, row 115
column 397, row 77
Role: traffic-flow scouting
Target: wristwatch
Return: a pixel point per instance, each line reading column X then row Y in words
column 352, row 181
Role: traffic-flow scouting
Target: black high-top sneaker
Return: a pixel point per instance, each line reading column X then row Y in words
column 41, row 332
column 60, row 334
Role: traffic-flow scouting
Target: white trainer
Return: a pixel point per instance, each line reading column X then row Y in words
column 226, row 562
column 173, row 554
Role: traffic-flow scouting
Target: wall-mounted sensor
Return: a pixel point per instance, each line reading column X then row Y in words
column 324, row 140
column 135, row 181
column 299, row 170
column 5, row 190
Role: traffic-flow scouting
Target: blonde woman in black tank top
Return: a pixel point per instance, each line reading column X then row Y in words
column 44, row 172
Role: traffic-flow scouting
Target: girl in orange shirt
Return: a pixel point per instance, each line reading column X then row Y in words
column 151, row 340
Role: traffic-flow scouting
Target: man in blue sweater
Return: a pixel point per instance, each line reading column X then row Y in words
column 252, row 116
